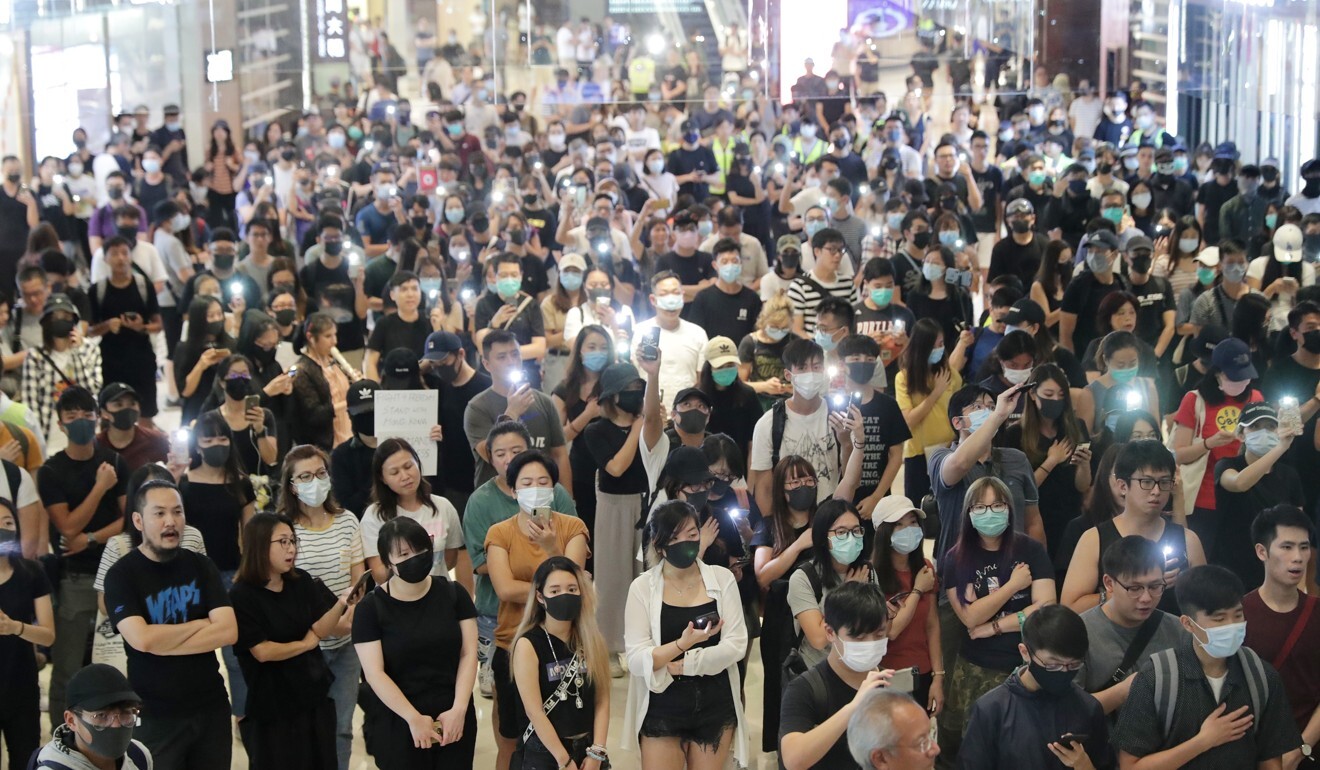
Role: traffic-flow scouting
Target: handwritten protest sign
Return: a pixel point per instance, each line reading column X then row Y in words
column 409, row 415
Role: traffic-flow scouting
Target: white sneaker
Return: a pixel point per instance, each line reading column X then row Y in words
column 617, row 670
column 486, row 681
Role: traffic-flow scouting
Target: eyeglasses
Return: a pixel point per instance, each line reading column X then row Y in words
column 1074, row 665
column 287, row 542
column 727, row 478
column 303, row 478
column 792, row 484
column 845, row 532
column 692, row 489
column 1156, row 590
column 100, row 720
column 1148, row 484
column 832, row 250
column 995, row 507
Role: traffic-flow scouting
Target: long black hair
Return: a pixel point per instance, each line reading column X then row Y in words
column 822, row 561
column 210, row 425
column 198, row 339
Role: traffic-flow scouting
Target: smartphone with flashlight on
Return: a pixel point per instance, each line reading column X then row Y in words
column 180, row 442
column 650, row 350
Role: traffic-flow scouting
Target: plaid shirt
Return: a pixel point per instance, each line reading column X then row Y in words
column 42, row 384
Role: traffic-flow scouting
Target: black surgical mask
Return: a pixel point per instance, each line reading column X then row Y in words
column 13, row 178
column 223, row 262
column 128, row 233
column 1051, row 408
column 1311, row 341
column 564, row 607
column 1019, row 226
column 802, row 498
column 125, row 419
column 861, row 371
column 288, row 154
column 921, row 240
column 718, row 489
column 215, row 456
column 630, row 401
column 1141, row 265
column 215, row 328
column 682, row 555
column 286, row 317
column 237, row 387
column 115, row 193
column 414, row 569
column 1052, row 682
column 61, row 327
column 696, row 499
column 517, row 236
column 109, row 742
column 692, row 421
column 364, row 424
column 333, row 248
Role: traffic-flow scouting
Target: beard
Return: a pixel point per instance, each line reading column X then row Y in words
column 162, row 553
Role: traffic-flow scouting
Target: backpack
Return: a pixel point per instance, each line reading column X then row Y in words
column 1167, row 678
column 138, row 279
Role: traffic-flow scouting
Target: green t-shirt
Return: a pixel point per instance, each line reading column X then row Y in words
column 487, row 507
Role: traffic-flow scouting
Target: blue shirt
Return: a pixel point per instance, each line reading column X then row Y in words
column 985, row 344
column 375, row 225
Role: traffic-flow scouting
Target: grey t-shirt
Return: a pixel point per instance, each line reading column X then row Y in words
column 541, row 420
column 1109, row 642
column 802, row 598
column 1010, row 466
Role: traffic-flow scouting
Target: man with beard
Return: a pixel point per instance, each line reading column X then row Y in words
column 171, row 607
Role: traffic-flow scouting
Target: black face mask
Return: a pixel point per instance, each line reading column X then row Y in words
column 215, row 328
column 238, row 387
column 1054, row 683
column 529, row 199
column 364, row 424
column 125, row 419
column 414, row 569
column 921, row 240
column 718, row 489
column 517, row 236
column 61, row 327
column 1105, row 168
column 286, row 317
column 630, row 401
column 263, row 356
column 697, row 499
column 692, row 421
column 128, row 233
column 1269, row 174
column 13, row 178
column 1019, row 226
column 420, row 225
column 115, row 193
column 861, row 371
column 1065, row 273
column 1141, row 265
column 333, row 248
column 288, row 154
column 1051, row 408
column 790, row 261
column 682, row 555
column 1311, row 187
column 1311, row 341
column 565, row 607
column 215, row 456
column 802, row 498
column 222, row 262
column 480, row 223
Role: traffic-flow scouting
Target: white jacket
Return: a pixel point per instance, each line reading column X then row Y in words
column 57, row 755
column 641, row 633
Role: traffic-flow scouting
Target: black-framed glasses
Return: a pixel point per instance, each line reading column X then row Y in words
column 792, row 484
column 1072, row 665
column 1156, row 590
column 846, row 531
column 1147, row 483
column 100, row 720
column 992, row 507
column 304, row 478
column 286, row 542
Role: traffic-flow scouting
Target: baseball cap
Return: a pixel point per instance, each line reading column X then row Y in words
column 60, row 301
column 1209, row 256
column 1127, row 151
column 786, row 242
column 1233, row 358
column 686, row 393
column 1164, row 155
column 116, row 390
column 1271, row 162
column 1226, row 151
column 687, row 465
column 171, row 109
column 1255, row 412
column 720, row 351
column 916, row 191
column 1288, row 243
column 1019, row 206
column 97, row 686
column 1024, row 311
column 441, row 344
column 362, row 396
column 616, row 377
column 891, row 508
column 1102, row 238
column 1206, row 340
column 573, row 260
column 399, row 366
column 1139, row 242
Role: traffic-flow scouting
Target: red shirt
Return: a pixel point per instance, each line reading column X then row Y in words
column 147, row 446
column 1267, row 630
column 912, row 647
column 1222, row 416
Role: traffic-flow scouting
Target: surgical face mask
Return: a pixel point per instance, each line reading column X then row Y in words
column 1271, row 220
column 895, row 221
column 1232, row 388
column 1145, row 122
column 531, row 498
column 907, row 539
column 336, row 140
column 882, row 297
column 809, row 385
column 949, row 238
column 385, row 191
column 813, row 226
column 1205, row 275
column 332, row 249
column 180, row 222
column 81, row 431
column 215, row 456
column 414, row 569
column 1131, row 163
column 976, row 418
column 1113, row 213
column 1188, row 245
column 936, row 355
column 556, row 142
column 109, row 742
column 1260, row 442
column 808, row 130
column 115, row 193
column 861, row 372
column 655, row 166
column 75, row 169
column 454, row 216
column 670, row 302
column 863, row 656
column 692, row 422
column 570, row 281
column 775, row 334
column 801, row 499
column 150, row 165
column 990, row 523
column 508, row 287
column 428, row 285
column 1017, row 376
column 312, row 493
column 1141, row 200
column 1124, row 376
column 932, row 272
column 1223, row 641
column 825, row 340
column 730, row 273
column 1235, row 272
column 1098, row 261
column 846, row 549
column 724, row 377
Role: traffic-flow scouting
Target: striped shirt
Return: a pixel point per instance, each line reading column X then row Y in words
column 330, row 554
column 442, row 525
column 806, row 297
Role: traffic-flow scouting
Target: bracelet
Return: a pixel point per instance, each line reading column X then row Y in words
column 858, row 444
column 995, row 625
column 679, row 646
column 598, row 753
column 937, row 673
column 1022, row 620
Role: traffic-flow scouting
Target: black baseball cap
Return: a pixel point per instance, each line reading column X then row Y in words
column 1233, row 358
column 1024, row 311
column 687, row 465
column 616, row 377
column 399, row 366
column 686, row 393
column 1255, row 412
column 97, row 686
column 116, row 390
column 440, row 344
column 362, row 396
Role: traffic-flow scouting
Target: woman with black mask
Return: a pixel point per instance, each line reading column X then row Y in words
column 251, row 427
column 196, row 357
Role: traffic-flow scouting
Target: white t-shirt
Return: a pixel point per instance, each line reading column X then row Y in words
column 639, row 142
column 1097, row 188
column 144, row 256
column 1086, row 113
column 684, row 349
column 663, row 186
column 806, row 435
column 27, row 490
column 772, row 286
column 442, row 525
column 1282, row 303
column 585, row 315
column 566, row 44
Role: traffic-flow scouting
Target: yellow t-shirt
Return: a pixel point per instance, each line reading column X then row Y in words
column 935, row 428
column 524, row 557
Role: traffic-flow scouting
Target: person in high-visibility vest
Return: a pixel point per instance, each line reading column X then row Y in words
column 807, row 149
column 722, row 144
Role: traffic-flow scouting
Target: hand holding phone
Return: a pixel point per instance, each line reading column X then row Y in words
column 251, row 402
column 358, row 590
column 707, row 621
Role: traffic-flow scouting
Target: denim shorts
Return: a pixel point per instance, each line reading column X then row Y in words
column 694, row 709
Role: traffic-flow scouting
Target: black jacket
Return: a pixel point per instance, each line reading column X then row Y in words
column 1009, row 728
column 311, row 413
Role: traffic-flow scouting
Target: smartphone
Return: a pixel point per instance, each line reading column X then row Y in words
column 541, row 516
column 1290, row 415
column 516, row 377
column 293, row 371
column 235, row 288
column 580, row 196
column 903, row 680
column 706, row 621
column 466, row 294
column 251, row 402
column 664, row 203
column 898, row 326
column 1086, row 445
column 359, row 588
column 839, row 402
column 650, row 345
column 1078, row 738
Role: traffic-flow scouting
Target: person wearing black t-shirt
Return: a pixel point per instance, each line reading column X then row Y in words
column 694, row 268
column 350, row 462
column 19, row 211
column 335, row 287
column 812, row 732
column 1081, row 300
column 1298, row 376
column 728, row 308
column 406, row 328
column 124, row 313
column 416, row 636
column 508, row 308
column 283, row 613
column 82, row 488
column 445, row 369
column 886, row 429
column 172, row 609
column 26, row 618
column 691, row 163
column 1021, row 252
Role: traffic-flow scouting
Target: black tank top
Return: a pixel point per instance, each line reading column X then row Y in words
column 552, row 658
column 1173, row 542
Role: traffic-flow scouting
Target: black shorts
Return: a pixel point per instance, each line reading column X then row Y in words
column 513, row 717
column 694, row 709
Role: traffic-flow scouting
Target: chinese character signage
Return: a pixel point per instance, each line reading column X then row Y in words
column 330, row 29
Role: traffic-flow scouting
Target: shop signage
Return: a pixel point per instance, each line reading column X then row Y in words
column 330, row 28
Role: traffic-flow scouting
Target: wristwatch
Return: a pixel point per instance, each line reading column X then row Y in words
column 1306, row 750
column 91, row 539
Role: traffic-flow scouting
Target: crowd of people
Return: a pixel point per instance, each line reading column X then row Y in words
column 994, row 440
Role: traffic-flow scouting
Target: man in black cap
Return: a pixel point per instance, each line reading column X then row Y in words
column 445, row 367
column 1081, row 300
column 1021, row 252
column 399, row 371
column 691, row 163
column 137, row 444
column 1157, row 305
column 173, row 144
column 1170, row 191
column 350, row 462
column 1307, row 200
column 97, row 732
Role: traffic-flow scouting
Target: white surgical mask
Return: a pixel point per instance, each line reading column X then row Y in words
column 1017, row 376
column 531, row 498
column 312, row 492
column 863, row 656
column 808, row 385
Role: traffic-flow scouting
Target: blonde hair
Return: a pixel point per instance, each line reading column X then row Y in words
column 585, row 637
column 778, row 308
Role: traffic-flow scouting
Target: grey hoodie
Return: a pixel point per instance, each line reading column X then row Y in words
column 61, row 754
